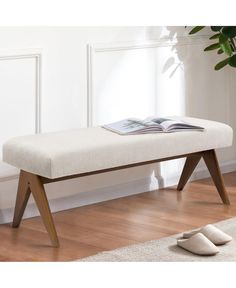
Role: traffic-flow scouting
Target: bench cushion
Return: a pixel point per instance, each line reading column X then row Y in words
column 65, row 153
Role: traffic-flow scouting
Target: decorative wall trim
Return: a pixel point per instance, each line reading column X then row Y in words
column 82, row 199
column 200, row 173
column 28, row 54
column 92, row 49
column 89, row 85
column 9, row 178
column 163, row 42
column 32, row 54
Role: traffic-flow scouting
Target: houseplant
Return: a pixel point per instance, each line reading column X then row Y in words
column 224, row 38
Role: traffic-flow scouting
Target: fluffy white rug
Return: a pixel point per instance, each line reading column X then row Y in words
column 165, row 249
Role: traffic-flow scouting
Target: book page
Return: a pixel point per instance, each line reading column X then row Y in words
column 169, row 125
column 165, row 123
column 126, row 126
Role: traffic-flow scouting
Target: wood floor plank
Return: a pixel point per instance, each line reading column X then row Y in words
column 31, row 245
column 112, row 224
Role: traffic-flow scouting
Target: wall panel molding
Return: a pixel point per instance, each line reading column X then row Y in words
column 29, row 54
column 94, row 48
column 36, row 55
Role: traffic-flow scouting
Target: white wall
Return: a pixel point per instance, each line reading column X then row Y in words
column 92, row 75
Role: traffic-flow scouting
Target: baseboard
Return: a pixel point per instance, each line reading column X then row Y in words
column 112, row 192
column 199, row 173
column 84, row 198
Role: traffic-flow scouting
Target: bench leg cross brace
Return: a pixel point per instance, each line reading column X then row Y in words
column 31, row 183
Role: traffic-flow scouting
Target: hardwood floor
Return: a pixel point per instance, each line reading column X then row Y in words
column 88, row 230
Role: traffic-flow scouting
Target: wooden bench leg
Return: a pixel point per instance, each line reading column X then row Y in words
column 212, row 164
column 189, row 166
column 213, row 167
column 37, row 189
column 22, row 198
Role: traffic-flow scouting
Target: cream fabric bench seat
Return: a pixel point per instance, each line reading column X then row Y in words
column 56, row 156
column 60, row 154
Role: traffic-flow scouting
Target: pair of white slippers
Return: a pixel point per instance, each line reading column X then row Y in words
column 203, row 241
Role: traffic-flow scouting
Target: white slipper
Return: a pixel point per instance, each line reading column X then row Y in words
column 198, row 244
column 215, row 235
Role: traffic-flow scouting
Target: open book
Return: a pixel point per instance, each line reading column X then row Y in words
column 150, row 125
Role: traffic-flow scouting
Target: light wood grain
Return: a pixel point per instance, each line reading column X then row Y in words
column 38, row 192
column 189, row 166
column 30, row 183
column 22, row 197
column 214, row 169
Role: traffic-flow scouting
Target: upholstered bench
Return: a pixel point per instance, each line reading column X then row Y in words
column 51, row 157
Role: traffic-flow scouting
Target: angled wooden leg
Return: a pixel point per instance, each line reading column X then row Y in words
column 189, row 166
column 22, row 198
column 30, row 183
column 212, row 164
column 38, row 192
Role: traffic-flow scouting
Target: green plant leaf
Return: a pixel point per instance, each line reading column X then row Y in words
column 216, row 28
column 222, row 64
column 220, row 51
column 196, row 29
column 232, row 61
column 215, row 36
column 225, row 45
column 212, row 47
column 222, row 38
column 229, row 31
